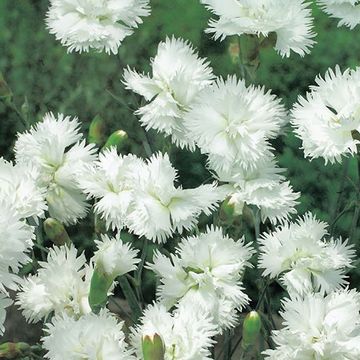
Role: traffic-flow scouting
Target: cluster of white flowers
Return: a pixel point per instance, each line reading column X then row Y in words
column 142, row 195
column 206, row 270
column 318, row 327
column 229, row 122
column 348, row 11
column 200, row 291
column 55, row 148
column 326, row 119
column 102, row 25
column 303, row 259
column 291, row 20
column 186, row 335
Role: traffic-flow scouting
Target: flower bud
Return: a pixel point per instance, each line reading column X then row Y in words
column 251, row 329
column 97, row 130
column 56, row 232
column 117, row 139
column 153, row 347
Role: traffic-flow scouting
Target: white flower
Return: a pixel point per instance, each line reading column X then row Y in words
column 95, row 337
column 4, row 303
column 325, row 119
column 114, row 257
column 291, row 20
column 160, row 209
column 206, row 270
column 111, row 180
column 262, row 186
column 102, row 25
column 233, row 123
column 19, row 186
column 61, row 285
column 55, row 148
column 186, row 335
column 319, row 328
column 348, row 11
column 16, row 240
column 178, row 75
column 304, row 261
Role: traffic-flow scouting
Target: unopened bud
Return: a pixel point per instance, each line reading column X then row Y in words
column 97, row 130
column 251, row 329
column 56, row 232
column 153, row 347
column 11, row 350
column 117, row 139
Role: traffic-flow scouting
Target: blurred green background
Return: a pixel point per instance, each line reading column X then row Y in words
column 38, row 68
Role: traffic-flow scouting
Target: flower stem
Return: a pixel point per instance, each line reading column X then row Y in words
column 130, row 297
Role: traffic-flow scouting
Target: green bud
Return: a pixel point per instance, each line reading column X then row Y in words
column 97, row 130
column 5, row 91
column 117, row 138
column 11, row 350
column 251, row 329
column 56, row 232
column 153, row 347
column 99, row 288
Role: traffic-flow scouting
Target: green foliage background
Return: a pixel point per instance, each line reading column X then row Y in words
column 38, row 68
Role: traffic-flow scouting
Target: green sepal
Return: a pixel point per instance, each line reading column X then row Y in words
column 153, row 347
column 99, row 288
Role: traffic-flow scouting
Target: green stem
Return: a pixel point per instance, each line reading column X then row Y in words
column 140, row 270
column 130, row 297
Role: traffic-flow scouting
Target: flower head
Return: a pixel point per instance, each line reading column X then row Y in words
column 291, row 20
column 95, row 337
column 114, row 257
column 102, row 25
column 186, row 334
column 16, row 240
column 262, row 186
column 207, row 270
column 326, row 118
column 160, row 209
column 19, row 185
column 111, row 181
column 348, row 11
column 4, row 303
column 178, row 75
column 54, row 147
column 319, row 328
column 61, row 285
column 304, row 261
column 233, row 123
